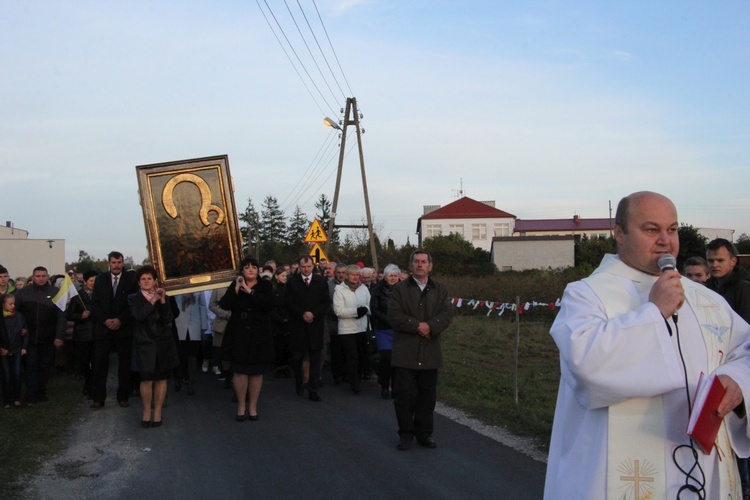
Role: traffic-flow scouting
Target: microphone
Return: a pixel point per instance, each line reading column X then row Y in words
column 668, row 262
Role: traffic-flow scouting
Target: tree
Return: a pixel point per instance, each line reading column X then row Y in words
column 452, row 255
column 324, row 216
column 249, row 230
column 743, row 243
column 272, row 222
column 589, row 252
column 87, row 262
column 692, row 244
column 296, row 231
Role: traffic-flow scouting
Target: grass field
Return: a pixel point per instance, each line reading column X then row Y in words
column 30, row 434
column 478, row 374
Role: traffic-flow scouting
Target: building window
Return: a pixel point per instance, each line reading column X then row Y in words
column 502, row 229
column 456, row 229
column 433, row 230
column 478, row 232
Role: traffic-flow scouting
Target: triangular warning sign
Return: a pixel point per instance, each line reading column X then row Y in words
column 316, row 234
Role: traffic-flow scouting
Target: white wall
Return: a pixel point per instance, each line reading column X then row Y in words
column 519, row 253
column 21, row 256
column 713, row 233
column 484, row 244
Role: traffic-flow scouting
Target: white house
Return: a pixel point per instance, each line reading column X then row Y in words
column 476, row 221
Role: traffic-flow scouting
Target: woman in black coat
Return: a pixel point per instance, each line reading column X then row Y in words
column 383, row 332
column 79, row 312
column 154, row 348
column 248, row 339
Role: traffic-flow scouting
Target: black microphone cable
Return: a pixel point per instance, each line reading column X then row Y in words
column 695, row 478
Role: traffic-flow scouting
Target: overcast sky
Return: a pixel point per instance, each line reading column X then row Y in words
column 549, row 108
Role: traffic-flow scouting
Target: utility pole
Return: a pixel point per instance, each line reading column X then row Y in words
column 351, row 109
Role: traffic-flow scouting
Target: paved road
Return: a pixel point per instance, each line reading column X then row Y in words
column 344, row 447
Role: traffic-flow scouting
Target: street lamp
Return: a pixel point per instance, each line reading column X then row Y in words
column 330, row 123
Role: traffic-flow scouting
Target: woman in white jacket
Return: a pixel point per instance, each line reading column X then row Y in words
column 351, row 303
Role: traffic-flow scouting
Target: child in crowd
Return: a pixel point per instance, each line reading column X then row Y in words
column 13, row 345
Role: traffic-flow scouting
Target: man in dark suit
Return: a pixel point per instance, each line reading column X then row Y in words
column 113, row 328
column 308, row 299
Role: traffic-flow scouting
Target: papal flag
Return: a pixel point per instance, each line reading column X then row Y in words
column 67, row 292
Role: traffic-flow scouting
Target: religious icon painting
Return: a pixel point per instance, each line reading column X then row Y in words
column 191, row 223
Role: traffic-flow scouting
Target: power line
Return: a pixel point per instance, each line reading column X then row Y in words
column 308, row 48
column 295, row 54
column 310, row 172
column 343, row 94
column 333, row 50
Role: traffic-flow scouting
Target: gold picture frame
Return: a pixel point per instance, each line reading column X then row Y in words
column 193, row 235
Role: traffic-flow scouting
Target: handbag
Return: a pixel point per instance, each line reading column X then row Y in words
column 372, row 344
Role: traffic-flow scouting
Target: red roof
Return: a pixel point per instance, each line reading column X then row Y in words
column 574, row 224
column 467, row 208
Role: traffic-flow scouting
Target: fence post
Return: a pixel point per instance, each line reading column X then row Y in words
column 515, row 350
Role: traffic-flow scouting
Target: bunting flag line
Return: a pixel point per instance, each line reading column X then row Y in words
column 501, row 307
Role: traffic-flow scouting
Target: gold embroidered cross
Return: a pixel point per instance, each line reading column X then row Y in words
column 637, row 479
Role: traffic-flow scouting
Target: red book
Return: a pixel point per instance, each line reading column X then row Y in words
column 704, row 422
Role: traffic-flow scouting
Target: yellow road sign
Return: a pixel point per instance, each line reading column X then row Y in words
column 316, row 234
column 317, row 254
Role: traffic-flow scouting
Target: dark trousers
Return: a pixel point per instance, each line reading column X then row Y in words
column 338, row 368
column 84, row 355
column 385, row 371
column 350, row 347
column 414, row 398
column 40, row 358
column 297, row 358
column 103, row 345
column 11, row 364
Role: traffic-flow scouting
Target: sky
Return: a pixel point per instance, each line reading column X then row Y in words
column 550, row 108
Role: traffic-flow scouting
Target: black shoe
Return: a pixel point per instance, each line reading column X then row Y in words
column 404, row 443
column 427, row 442
column 156, row 424
column 145, row 424
column 241, row 418
column 313, row 396
column 384, row 393
column 299, row 389
column 252, row 417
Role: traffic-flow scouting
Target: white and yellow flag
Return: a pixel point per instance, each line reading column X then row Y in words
column 67, row 292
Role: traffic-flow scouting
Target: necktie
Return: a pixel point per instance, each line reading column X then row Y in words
column 307, row 280
column 114, row 285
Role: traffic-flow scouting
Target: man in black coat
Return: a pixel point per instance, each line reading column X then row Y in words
column 308, row 300
column 46, row 324
column 113, row 328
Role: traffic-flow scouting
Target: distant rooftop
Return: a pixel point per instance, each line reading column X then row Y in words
column 574, row 224
column 465, row 208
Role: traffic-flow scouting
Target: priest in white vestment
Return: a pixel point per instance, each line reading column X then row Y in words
column 633, row 343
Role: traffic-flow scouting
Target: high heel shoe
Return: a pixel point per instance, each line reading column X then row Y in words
column 156, row 424
column 252, row 417
column 242, row 418
column 145, row 424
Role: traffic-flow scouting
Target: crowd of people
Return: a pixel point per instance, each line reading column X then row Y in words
column 288, row 321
